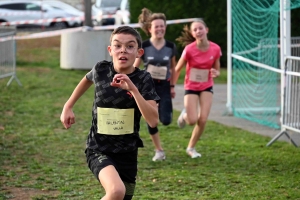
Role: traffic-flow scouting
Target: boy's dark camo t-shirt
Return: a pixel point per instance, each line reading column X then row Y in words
column 107, row 96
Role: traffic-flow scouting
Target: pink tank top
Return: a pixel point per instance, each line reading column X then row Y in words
column 199, row 63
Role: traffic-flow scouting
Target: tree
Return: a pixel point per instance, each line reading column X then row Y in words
column 88, row 13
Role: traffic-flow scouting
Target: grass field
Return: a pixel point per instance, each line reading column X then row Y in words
column 40, row 160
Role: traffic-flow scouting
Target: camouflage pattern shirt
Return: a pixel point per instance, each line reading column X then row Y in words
column 107, row 96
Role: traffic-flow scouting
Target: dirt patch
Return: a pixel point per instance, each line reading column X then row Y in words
column 35, row 69
column 29, row 193
column 49, row 42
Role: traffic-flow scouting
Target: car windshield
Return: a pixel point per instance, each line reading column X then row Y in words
column 108, row 3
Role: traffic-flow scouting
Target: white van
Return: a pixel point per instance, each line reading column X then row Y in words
column 110, row 12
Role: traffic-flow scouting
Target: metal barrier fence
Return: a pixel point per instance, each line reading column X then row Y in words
column 291, row 105
column 8, row 55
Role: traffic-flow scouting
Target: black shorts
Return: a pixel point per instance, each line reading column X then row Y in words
column 125, row 164
column 209, row 89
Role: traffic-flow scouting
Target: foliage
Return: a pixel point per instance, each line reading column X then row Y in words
column 212, row 11
column 295, row 19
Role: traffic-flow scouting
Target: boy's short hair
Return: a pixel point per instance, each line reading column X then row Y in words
column 128, row 30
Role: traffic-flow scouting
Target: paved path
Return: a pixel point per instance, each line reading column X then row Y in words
column 218, row 114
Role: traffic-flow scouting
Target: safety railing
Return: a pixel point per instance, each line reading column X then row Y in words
column 291, row 105
column 8, row 55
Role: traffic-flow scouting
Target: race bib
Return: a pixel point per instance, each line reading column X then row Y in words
column 199, row 75
column 156, row 72
column 113, row 121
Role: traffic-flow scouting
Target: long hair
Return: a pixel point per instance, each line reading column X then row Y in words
column 186, row 35
column 146, row 17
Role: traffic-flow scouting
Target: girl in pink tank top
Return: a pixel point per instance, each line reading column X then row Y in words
column 201, row 58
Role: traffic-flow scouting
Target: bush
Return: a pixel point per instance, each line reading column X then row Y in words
column 212, row 11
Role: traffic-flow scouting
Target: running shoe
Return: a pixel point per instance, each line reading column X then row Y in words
column 159, row 155
column 193, row 153
column 180, row 120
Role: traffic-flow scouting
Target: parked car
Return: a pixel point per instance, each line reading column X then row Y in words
column 66, row 8
column 20, row 10
column 109, row 12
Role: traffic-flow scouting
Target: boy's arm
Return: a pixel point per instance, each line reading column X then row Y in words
column 67, row 116
column 148, row 108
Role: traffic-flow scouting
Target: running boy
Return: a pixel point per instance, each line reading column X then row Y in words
column 123, row 94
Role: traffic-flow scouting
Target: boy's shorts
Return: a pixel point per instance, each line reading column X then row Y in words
column 125, row 164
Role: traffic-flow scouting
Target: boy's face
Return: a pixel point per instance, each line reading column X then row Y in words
column 124, row 50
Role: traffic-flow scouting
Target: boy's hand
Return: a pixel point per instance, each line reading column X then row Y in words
column 123, row 81
column 67, row 118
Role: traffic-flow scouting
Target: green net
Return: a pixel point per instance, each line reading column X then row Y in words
column 292, row 4
column 255, row 91
column 255, row 33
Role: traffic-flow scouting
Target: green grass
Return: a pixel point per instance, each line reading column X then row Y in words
column 41, row 158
